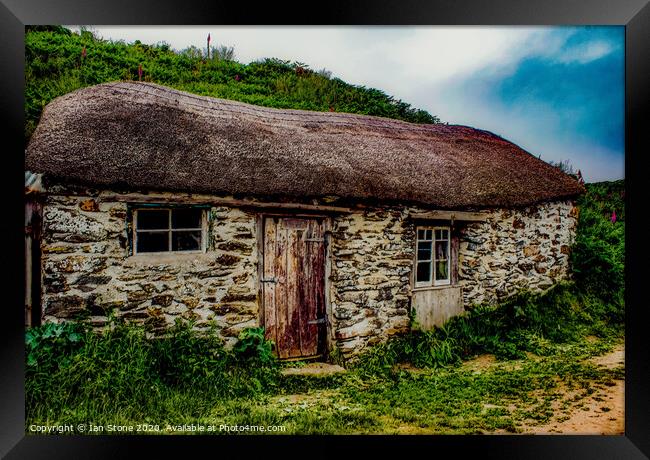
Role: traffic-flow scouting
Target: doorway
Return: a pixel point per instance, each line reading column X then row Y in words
column 293, row 285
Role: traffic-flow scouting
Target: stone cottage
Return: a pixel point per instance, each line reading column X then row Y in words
column 327, row 229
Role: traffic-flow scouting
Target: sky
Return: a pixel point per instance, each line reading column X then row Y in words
column 557, row 92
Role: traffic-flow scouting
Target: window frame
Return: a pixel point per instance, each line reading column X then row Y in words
column 432, row 282
column 203, row 228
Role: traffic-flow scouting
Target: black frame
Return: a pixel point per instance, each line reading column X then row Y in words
column 634, row 14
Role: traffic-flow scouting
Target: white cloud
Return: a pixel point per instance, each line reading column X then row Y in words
column 586, row 52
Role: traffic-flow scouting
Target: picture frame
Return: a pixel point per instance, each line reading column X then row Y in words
column 634, row 14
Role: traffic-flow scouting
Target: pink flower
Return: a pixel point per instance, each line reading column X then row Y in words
column 237, row 77
column 613, row 216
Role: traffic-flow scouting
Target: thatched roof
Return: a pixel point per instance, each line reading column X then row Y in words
column 144, row 136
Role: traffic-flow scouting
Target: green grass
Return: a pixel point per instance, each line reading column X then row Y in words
column 122, row 377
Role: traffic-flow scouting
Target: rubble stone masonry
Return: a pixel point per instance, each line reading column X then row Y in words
column 88, row 270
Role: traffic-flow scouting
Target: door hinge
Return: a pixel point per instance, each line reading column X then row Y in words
column 269, row 280
column 318, row 321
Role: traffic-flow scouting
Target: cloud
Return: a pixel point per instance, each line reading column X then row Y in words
column 586, row 53
column 562, row 102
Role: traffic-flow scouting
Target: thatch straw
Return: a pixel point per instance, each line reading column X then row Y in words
column 144, row 136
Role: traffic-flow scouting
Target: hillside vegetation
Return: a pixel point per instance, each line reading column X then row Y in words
column 58, row 61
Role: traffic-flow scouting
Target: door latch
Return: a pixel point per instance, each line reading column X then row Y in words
column 269, row 280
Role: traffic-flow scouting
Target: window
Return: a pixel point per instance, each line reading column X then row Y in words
column 168, row 230
column 432, row 264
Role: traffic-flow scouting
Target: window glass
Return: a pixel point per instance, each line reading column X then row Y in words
column 424, row 271
column 442, row 273
column 153, row 219
column 154, row 233
column 441, row 250
column 424, row 250
column 153, row 242
column 186, row 241
column 432, row 256
column 186, row 218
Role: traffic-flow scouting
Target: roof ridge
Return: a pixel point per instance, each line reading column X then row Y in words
column 264, row 112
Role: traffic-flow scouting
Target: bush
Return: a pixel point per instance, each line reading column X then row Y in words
column 598, row 256
column 253, row 346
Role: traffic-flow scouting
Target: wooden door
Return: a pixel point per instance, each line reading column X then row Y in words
column 293, row 285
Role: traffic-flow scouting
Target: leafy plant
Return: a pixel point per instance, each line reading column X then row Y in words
column 253, row 344
column 43, row 344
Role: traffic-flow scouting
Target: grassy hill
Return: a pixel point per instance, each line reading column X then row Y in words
column 58, row 61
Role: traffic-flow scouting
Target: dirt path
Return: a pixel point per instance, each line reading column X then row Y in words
column 603, row 412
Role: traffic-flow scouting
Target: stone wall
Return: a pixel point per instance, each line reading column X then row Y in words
column 87, row 268
column 372, row 258
column 373, row 253
column 515, row 249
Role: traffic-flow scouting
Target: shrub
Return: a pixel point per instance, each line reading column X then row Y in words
column 598, row 256
column 253, row 345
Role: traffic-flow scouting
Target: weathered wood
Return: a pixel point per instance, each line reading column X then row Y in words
column 189, row 199
column 33, row 213
column 281, row 292
column 270, row 314
column 450, row 215
column 434, row 306
column 296, row 302
column 453, row 256
column 294, row 287
column 327, row 333
column 313, row 275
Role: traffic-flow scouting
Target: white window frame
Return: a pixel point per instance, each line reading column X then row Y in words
column 169, row 230
column 432, row 282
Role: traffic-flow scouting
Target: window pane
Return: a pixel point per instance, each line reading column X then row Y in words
column 445, row 234
column 186, row 218
column 424, row 250
column 420, row 234
column 153, row 242
column 186, row 241
column 153, row 219
column 441, row 270
column 441, row 249
column 423, row 271
column 429, row 234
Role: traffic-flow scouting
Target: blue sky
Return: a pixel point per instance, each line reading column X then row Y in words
column 557, row 92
